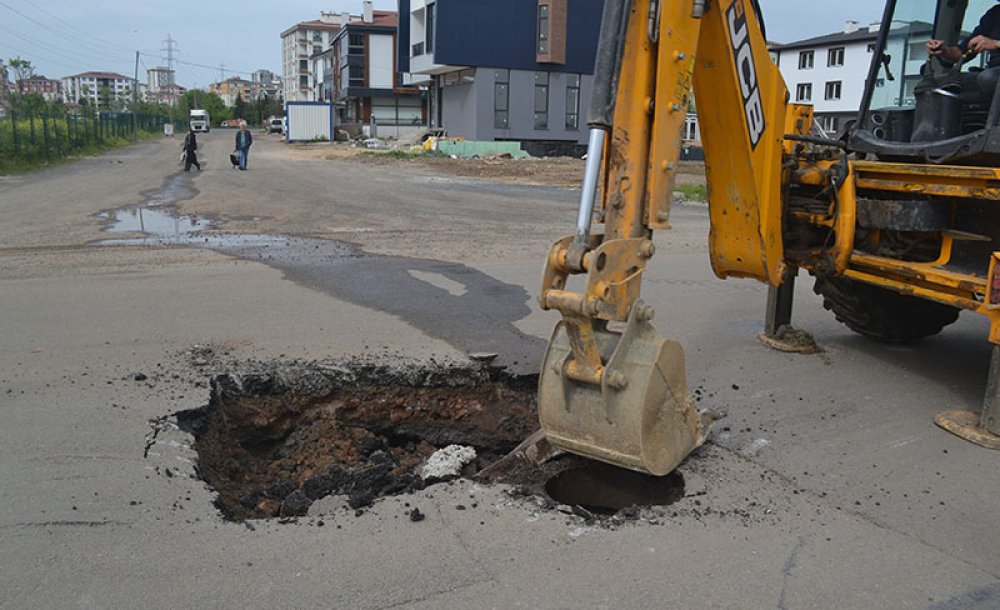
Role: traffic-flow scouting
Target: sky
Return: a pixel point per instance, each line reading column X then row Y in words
column 64, row 37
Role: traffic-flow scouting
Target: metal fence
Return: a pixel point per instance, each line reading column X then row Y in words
column 34, row 135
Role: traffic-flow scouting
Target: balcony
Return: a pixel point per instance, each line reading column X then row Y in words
column 417, row 50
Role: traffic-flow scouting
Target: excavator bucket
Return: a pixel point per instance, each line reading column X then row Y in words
column 640, row 416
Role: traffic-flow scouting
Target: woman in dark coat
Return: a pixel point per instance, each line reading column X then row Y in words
column 191, row 152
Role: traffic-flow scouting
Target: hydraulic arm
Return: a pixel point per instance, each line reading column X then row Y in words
column 610, row 387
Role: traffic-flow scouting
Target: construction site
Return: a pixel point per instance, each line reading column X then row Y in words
column 532, row 304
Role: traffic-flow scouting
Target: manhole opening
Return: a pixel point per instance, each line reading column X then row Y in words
column 270, row 444
column 604, row 489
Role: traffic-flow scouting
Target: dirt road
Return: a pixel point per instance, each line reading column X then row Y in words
column 827, row 485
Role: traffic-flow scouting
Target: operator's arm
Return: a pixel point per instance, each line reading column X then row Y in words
column 982, row 39
column 949, row 53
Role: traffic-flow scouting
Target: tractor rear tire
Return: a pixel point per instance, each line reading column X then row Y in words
column 882, row 314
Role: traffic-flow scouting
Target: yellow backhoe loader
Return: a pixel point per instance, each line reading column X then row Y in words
column 897, row 216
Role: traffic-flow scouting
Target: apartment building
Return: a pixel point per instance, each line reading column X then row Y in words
column 266, row 84
column 829, row 71
column 301, row 42
column 231, row 89
column 100, row 89
column 322, row 69
column 367, row 87
column 161, row 86
column 49, row 89
column 513, row 70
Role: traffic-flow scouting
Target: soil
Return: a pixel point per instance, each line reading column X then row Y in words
column 272, row 442
column 561, row 172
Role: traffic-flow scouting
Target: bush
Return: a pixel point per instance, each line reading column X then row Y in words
column 43, row 135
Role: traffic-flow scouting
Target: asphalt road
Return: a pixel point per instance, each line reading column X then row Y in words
column 827, row 486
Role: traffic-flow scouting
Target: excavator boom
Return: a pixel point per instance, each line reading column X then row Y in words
column 611, row 387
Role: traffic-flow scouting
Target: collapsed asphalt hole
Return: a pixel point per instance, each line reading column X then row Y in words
column 604, row 489
column 273, row 442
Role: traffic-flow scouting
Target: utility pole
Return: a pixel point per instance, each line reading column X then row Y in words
column 135, row 101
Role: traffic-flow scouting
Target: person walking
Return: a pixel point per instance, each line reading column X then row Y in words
column 243, row 143
column 191, row 152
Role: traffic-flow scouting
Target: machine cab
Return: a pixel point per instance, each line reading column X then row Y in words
column 926, row 109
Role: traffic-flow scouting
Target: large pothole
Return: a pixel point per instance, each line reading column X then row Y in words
column 271, row 443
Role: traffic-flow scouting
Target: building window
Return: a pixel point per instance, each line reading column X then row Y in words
column 429, row 29
column 803, row 92
column 835, row 57
column 572, row 101
column 541, row 100
column 356, row 44
column 501, row 99
column 356, row 76
column 828, row 124
column 303, row 64
column 317, row 49
column 303, row 81
column 833, row 90
column 543, row 29
column 806, row 60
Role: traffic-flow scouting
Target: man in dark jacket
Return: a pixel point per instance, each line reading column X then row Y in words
column 191, row 152
column 243, row 143
column 984, row 39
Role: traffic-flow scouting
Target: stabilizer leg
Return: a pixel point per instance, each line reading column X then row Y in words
column 778, row 331
column 779, row 306
column 984, row 428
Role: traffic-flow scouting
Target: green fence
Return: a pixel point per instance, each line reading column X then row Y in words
column 29, row 137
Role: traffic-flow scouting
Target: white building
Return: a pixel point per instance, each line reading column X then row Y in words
column 160, row 78
column 829, row 72
column 90, row 88
column 298, row 44
column 161, row 86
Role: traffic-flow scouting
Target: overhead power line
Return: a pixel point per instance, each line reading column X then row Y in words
column 50, row 48
column 48, row 27
column 73, row 27
column 24, row 54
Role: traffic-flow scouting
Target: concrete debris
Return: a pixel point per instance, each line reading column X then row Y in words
column 447, row 462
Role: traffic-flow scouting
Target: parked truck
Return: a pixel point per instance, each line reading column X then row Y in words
column 200, row 121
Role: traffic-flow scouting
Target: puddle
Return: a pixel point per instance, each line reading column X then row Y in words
column 175, row 189
column 155, row 216
column 157, row 223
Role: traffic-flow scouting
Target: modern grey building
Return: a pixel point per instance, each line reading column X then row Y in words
column 512, row 70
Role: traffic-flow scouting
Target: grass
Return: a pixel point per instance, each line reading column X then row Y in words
column 693, row 192
column 11, row 164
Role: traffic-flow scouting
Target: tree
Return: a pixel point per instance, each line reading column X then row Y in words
column 240, row 109
column 123, row 101
column 104, row 97
column 266, row 106
column 196, row 99
column 23, row 70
